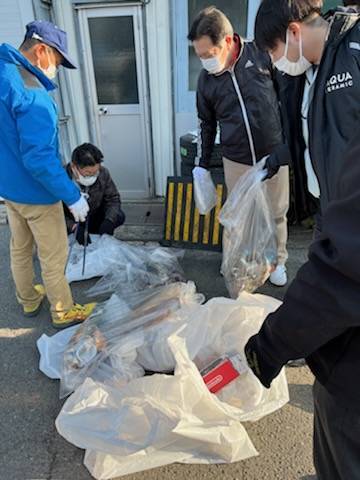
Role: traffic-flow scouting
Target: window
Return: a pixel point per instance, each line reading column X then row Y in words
column 235, row 10
column 113, row 49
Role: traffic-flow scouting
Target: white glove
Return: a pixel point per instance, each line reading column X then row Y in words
column 200, row 173
column 80, row 209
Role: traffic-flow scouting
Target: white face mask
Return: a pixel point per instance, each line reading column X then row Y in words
column 84, row 181
column 293, row 68
column 51, row 70
column 87, row 181
column 212, row 65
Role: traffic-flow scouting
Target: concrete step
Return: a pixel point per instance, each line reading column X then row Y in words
column 144, row 213
column 143, row 233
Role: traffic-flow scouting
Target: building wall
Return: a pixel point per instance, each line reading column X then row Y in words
column 14, row 15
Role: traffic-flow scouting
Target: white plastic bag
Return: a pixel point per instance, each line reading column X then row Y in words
column 250, row 247
column 230, row 324
column 154, row 421
column 51, row 350
column 161, row 419
column 204, row 190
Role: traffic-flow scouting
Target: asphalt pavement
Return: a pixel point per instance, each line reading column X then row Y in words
column 30, row 447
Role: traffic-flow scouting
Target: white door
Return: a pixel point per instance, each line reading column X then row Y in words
column 114, row 59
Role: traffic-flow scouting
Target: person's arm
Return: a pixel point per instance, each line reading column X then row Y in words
column 323, row 301
column 207, row 128
column 112, row 201
column 37, row 130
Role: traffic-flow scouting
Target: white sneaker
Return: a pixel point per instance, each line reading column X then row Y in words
column 279, row 276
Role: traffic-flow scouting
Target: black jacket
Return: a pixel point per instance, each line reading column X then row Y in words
column 320, row 316
column 104, row 199
column 290, row 91
column 256, row 122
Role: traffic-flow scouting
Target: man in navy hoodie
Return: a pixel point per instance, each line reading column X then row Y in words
column 32, row 179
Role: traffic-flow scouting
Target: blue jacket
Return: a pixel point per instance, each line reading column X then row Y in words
column 30, row 166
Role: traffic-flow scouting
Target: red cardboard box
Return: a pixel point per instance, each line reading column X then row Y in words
column 219, row 374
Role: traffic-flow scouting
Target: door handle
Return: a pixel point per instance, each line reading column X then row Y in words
column 103, row 111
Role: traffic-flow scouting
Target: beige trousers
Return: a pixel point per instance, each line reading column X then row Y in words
column 43, row 225
column 279, row 193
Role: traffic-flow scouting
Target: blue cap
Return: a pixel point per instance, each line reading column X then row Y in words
column 53, row 36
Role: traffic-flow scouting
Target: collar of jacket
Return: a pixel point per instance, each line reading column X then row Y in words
column 242, row 43
column 341, row 21
column 12, row 55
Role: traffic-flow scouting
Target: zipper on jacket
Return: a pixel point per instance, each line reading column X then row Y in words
column 245, row 116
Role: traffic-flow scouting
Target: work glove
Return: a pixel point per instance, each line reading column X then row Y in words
column 107, row 227
column 80, row 209
column 280, row 157
column 80, row 235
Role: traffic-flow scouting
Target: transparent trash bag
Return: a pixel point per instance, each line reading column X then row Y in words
column 105, row 346
column 204, row 190
column 138, row 268
column 108, row 256
column 250, row 242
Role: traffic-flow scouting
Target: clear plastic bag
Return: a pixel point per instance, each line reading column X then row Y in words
column 124, row 265
column 250, row 247
column 138, row 268
column 103, row 344
column 204, row 190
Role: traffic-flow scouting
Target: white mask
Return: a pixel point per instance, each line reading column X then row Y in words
column 86, row 181
column 293, row 68
column 212, row 65
column 50, row 71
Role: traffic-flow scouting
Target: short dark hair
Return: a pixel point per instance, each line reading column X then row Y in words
column 87, row 155
column 29, row 43
column 210, row 22
column 347, row 3
column 274, row 16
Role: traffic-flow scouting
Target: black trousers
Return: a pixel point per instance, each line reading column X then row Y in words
column 336, row 438
column 96, row 219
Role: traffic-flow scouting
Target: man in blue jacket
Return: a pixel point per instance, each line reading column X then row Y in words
column 32, row 179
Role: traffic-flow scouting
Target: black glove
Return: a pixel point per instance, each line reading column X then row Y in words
column 263, row 370
column 107, row 227
column 80, row 235
column 278, row 158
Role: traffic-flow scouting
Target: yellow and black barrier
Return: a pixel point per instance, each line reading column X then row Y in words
column 184, row 226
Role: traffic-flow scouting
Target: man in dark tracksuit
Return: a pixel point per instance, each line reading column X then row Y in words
column 320, row 316
column 236, row 90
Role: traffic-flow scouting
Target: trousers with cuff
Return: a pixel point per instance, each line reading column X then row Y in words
column 43, row 226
